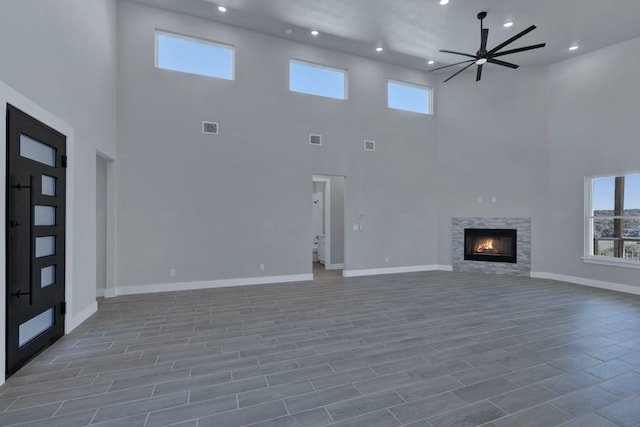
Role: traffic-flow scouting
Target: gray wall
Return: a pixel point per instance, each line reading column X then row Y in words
column 61, row 55
column 594, row 112
column 492, row 142
column 337, row 219
column 218, row 207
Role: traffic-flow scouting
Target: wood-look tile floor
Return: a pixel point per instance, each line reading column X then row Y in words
column 421, row 349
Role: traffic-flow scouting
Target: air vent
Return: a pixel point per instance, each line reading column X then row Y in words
column 210, row 128
column 369, row 145
column 315, row 139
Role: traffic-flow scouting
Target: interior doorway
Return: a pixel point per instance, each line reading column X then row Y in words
column 104, row 225
column 327, row 218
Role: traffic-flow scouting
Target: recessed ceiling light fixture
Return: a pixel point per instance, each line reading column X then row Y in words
column 288, row 31
column 379, row 49
column 508, row 24
column 314, row 33
column 444, row 2
column 431, row 62
column 574, row 47
column 222, row 8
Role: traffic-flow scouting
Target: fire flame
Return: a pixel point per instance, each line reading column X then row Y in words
column 485, row 245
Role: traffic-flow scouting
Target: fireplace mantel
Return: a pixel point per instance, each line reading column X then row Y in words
column 523, row 245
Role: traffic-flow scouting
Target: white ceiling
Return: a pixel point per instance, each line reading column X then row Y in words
column 412, row 31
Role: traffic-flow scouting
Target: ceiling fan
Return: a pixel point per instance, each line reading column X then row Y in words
column 483, row 55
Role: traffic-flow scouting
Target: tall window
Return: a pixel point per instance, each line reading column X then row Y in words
column 195, row 56
column 614, row 217
column 409, row 97
column 317, row 80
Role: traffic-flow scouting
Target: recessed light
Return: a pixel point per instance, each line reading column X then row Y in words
column 431, row 62
column 379, row 49
column 314, row 33
column 444, row 2
column 508, row 24
column 574, row 47
column 222, row 8
column 288, row 31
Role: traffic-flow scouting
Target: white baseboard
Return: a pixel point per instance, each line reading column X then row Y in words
column 333, row 266
column 442, row 267
column 208, row 284
column 587, row 282
column 391, row 270
column 72, row 322
column 100, row 292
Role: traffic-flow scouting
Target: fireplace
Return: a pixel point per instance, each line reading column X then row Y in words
column 490, row 244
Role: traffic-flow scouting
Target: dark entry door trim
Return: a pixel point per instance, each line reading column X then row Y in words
column 35, row 229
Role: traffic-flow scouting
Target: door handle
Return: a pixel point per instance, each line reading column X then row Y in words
column 14, row 224
column 20, row 293
column 19, row 186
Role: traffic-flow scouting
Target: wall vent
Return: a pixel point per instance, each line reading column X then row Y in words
column 369, row 145
column 315, row 139
column 210, row 128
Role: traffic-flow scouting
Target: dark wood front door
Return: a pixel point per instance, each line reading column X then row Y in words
column 35, row 230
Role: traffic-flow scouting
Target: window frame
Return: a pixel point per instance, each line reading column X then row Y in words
column 428, row 89
column 589, row 257
column 194, row 39
column 344, row 71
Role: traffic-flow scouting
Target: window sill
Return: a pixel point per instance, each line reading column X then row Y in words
column 610, row 261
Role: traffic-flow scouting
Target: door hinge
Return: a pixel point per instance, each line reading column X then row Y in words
column 64, row 160
column 63, row 307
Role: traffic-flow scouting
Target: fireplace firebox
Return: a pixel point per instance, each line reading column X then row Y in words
column 490, row 244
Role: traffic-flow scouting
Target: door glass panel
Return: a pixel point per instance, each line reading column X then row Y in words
column 48, row 185
column 35, row 150
column 47, row 276
column 34, row 327
column 45, row 246
column 44, row 215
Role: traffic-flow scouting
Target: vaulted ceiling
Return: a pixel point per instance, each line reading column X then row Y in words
column 413, row 31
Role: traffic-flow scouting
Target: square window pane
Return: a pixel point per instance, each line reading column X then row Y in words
column 48, row 185
column 408, row 97
column 317, row 80
column 45, row 246
column 44, row 215
column 47, row 276
column 602, row 227
column 194, row 56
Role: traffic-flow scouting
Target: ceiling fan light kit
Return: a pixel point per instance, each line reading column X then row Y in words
column 484, row 56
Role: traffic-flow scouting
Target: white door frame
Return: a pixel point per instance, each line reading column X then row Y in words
column 327, row 215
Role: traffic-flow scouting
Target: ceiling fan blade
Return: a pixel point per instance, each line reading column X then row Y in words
column 520, row 49
column 504, row 64
column 458, row 72
column 479, row 73
column 451, row 65
column 483, row 39
column 512, row 39
column 458, row 53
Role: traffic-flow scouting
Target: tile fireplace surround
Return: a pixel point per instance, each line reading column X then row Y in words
column 523, row 227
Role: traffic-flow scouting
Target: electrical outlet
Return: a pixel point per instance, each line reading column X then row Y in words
column 386, row 260
column 172, row 272
column 261, row 267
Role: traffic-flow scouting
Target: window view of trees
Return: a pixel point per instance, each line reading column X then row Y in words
column 616, row 217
